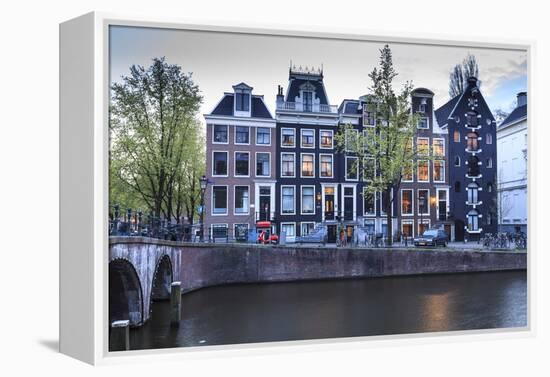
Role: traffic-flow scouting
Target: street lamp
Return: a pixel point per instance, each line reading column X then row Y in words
column 203, row 183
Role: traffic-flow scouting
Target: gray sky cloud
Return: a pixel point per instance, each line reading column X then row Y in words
column 220, row 60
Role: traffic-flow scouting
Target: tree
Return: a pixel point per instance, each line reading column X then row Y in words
column 460, row 74
column 152, row 122
column 389, row 144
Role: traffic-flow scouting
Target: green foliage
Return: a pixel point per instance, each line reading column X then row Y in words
column 155, row 137
column 390, row 141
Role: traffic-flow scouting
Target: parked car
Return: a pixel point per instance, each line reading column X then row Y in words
column 317, row 235
column 432, row 237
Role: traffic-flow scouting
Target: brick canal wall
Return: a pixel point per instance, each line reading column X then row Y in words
column 198, row 266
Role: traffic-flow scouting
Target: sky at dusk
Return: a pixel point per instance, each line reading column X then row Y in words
column 218, row 61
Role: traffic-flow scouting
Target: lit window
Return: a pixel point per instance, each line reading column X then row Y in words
column 472, row 141
column 287, row 165
column 423, row 145
column 326, row 166
column 241, row 199
column 307, row 165
column 407, row 202
column 423, row 171
column 326, row 139
column 439, row 147
column 308, row 139
column 288, row 137
column 456, row 137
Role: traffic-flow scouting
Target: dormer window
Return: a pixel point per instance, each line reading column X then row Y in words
column 423, row 123
column 307, row 100
column 242, row 101
column 422, row 106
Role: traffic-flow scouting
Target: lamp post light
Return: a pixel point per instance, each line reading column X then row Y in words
column 203, row 184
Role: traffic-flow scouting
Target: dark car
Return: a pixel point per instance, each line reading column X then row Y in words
column 432, row 237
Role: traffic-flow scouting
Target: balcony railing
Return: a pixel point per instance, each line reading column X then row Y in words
column 307, row 107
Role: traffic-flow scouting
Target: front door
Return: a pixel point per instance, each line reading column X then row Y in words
column 331, row 233
column 447, row 228
column 265, row 202
column 349, row 198
column 329, row 203
column 459, row 230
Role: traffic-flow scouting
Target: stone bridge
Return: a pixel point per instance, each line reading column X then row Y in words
column 142, row 269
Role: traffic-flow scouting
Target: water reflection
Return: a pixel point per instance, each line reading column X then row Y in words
column 339, row 308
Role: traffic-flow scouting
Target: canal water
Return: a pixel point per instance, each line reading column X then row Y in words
column 339, row 308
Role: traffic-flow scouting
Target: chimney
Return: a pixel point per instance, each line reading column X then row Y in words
column 522, row 99
column 280, row 96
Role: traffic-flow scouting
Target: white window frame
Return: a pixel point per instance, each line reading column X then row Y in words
column 346, row 138
column 364, row 169
column 365, row 110
column 293, row 223
column 214, row 164
column 236, row 224
column 428, row 204
column 256, row 137
column 302, row 200
column 294, row 157
column 408, row 222
column 442, row 180
column 370, row 214
column 235, row 213
column 235, row 165
column 214, row 134
column 442, row 155
column 294, row 201
column 427, row 146
column 305, row 223
column 346, row 169
column 235, row 135
column 354, row 196
column 331, row 139
column 424, row 221
column 412, row 173
column 301, row 138
column 293, row 131
column 256, row 165
column 418, row 171
column 427, row 123
column 321, row 155
column 301, row 161
column 212, row 213
column 218, row 225
column 412, row 203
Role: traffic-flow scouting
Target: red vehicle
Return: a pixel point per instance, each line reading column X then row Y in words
column 264, row 233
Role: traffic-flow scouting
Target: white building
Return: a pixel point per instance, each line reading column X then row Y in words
column 512, row 168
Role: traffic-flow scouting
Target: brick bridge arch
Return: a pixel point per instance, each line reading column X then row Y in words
column 137, row 277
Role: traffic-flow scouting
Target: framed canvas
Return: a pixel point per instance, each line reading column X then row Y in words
column 227, row 188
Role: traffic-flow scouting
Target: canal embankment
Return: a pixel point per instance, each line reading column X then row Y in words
column 204, row 265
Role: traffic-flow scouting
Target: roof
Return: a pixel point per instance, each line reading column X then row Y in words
column 423, row 91
column 258, row 110
column 296, row 80
column 349, row 106
column 519, row 113
column 443, row 112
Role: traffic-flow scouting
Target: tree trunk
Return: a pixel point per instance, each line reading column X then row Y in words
column 388, row 216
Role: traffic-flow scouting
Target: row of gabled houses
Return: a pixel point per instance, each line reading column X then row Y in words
column 286, row 170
